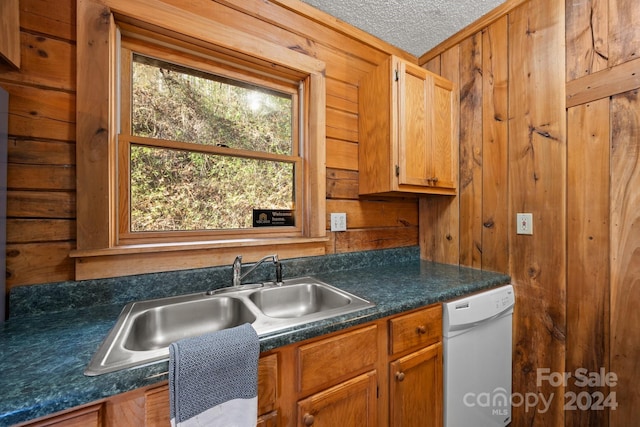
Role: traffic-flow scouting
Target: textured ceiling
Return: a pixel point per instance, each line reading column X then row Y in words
column 414, row 26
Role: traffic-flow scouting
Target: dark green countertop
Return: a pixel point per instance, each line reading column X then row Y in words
column 43, row 354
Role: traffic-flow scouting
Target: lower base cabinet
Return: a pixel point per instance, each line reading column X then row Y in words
column 351, row 403
column 384, row 373
column 416, row 389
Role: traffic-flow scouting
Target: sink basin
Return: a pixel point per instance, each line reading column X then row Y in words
column 158, row 327
column 298, row 300
column 145, row 329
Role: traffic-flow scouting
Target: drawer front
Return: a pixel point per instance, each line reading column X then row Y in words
column 326, row 361
column 415, row 330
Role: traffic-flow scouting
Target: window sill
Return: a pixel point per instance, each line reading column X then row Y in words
column 142, row 259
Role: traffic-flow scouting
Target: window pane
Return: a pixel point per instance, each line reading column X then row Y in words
column 181, row 104
column 174, row 190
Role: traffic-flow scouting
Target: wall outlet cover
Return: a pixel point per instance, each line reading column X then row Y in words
column 524, row 223
column 338, row 222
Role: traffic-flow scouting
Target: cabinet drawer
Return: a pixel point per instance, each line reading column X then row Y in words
column 323, row 362
column 415, row 330
column 84, row 417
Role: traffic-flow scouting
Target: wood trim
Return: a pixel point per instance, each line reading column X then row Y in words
column 471, row 29
column 189, row 24
column 341, row 27
column 123, row 263
column 603, row 84
column 97, row 236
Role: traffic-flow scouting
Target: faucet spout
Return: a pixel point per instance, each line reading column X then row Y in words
column 237, row 269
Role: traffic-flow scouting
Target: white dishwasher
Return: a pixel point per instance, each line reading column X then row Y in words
column 477, row 359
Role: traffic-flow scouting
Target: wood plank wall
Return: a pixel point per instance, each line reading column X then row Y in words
column 512, row 159
column 41, row 201
column 576, row 277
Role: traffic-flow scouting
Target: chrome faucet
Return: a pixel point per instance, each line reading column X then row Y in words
column 237, row 269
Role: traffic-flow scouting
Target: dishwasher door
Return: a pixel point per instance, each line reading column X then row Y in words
column 477, row 359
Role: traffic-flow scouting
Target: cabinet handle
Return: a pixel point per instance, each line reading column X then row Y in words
column 421, row 330
column 435, row 180
column 308, row 419
column 400, row 376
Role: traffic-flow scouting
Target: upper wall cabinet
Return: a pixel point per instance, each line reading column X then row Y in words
column 408, row 142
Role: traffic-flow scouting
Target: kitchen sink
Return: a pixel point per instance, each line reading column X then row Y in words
column 298, row 300
column 145, row 329
column 158, row 327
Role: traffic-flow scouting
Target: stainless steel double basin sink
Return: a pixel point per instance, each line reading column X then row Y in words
column 145, row 329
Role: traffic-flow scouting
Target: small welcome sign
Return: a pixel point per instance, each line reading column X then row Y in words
column 273, row 217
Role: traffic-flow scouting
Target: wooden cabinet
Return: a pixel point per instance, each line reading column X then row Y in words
column 332, row 369
column 385, row 372
column 407, row 132
column 350, row 403
column 416, row 389
column 415, row 370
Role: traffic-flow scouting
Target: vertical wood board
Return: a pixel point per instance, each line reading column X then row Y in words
column 587, row 37
column 588, row 250
column 471, row 165
column 495, row 147
column 625, row 257
column 537, row 174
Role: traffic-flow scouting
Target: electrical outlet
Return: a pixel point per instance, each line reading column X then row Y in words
column 524, row 223
column 338, row 222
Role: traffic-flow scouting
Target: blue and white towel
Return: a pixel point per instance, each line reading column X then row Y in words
column 213, row 379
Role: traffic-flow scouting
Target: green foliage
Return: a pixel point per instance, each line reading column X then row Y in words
column 182, row 190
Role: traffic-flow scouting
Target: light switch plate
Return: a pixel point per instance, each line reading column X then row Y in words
column 338, row 222
column 524, row 223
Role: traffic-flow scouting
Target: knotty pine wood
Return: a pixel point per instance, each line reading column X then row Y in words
column 471, row 161
column 537, row 175
column 603, row 84
column 625, row 259
column 37, row 16
column 587, row 37
column 36, row 112
column 495, row 147
column 588, row 250
column 440, row 216
column 624, row 33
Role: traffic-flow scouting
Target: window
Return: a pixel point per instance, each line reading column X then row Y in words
column 212, row 151
column 138, row 174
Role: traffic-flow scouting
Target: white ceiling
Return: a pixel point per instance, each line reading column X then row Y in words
column 414, row 26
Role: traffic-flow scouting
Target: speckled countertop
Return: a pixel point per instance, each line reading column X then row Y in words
column 55, row 328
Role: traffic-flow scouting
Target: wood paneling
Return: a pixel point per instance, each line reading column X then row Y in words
column 42, row 132
column 625, row 257
column 587, row 37
column 495, row 147
column 624, row 40
column 587, row 249
column 470, row 194
column 439, row 216
column 537, row 174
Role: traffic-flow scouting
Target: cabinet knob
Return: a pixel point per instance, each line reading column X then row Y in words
column 400, row 376
column 435, row 180
column 421, row 330
column 308, row 419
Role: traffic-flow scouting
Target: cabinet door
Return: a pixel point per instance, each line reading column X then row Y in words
column 416, row 389
column 352, row 403
column 444, row 161
column 414, row 145
column 426, row 135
